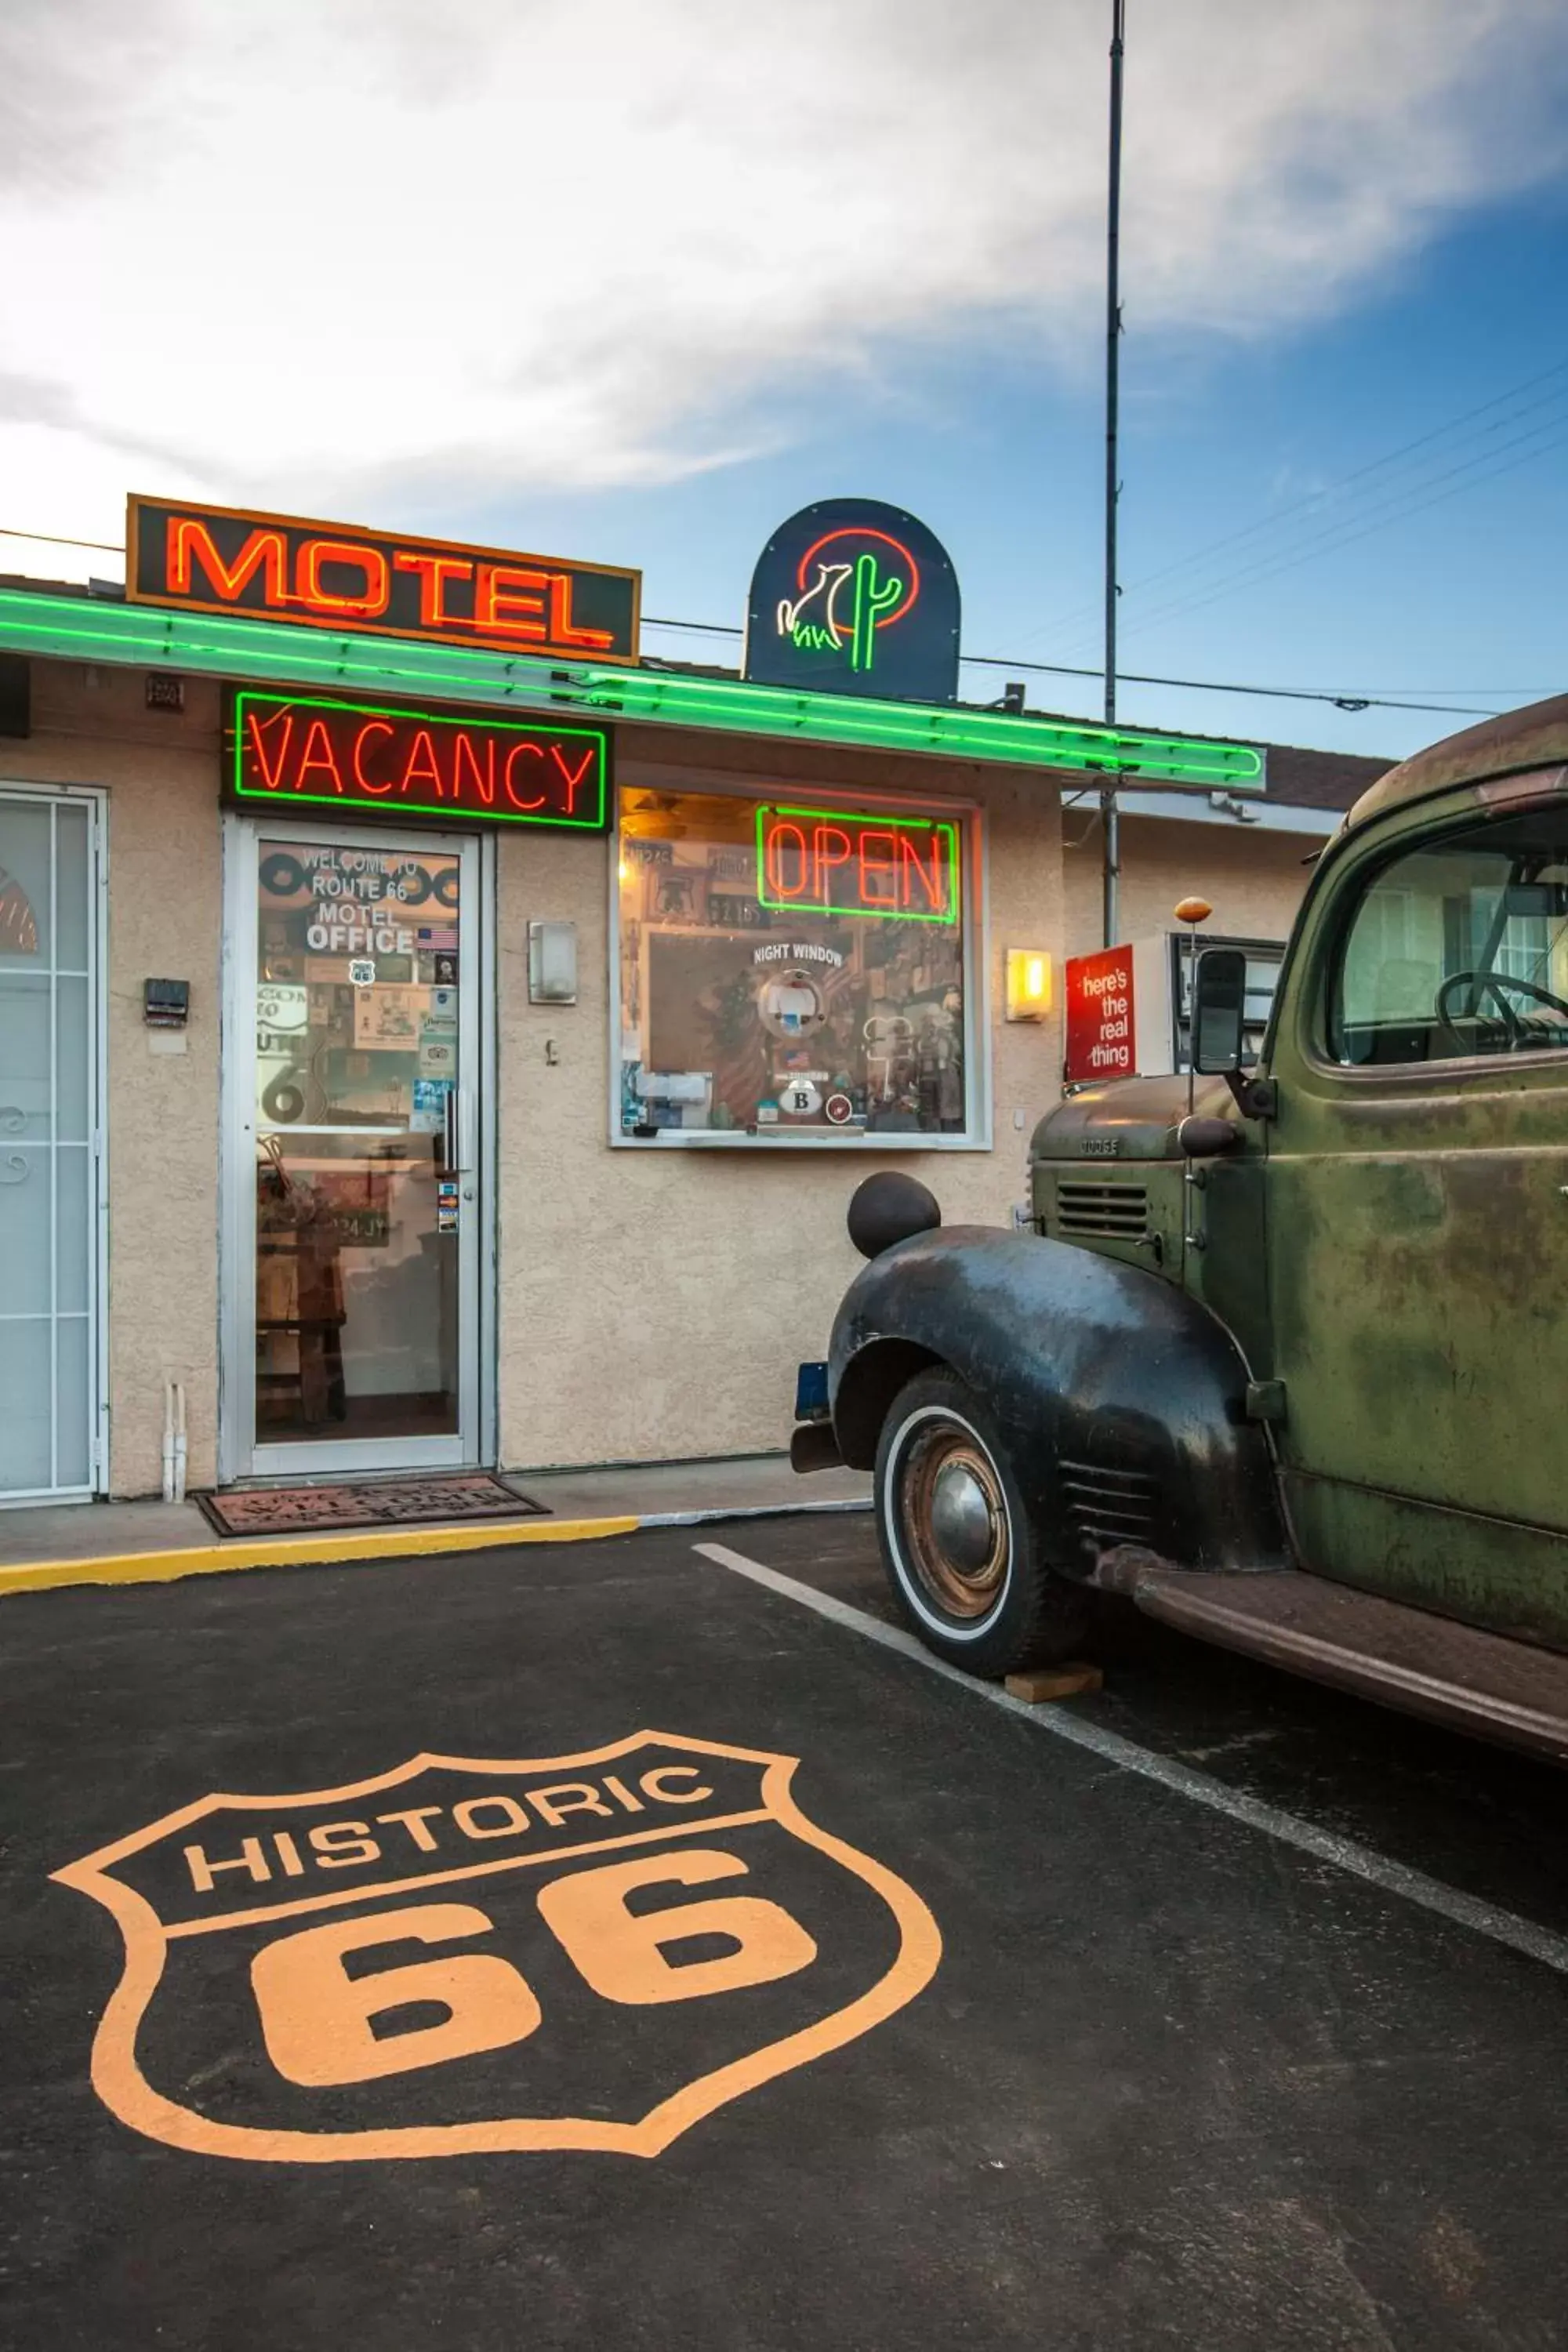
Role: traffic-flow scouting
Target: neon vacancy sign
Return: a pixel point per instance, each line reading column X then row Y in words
column 823, row 862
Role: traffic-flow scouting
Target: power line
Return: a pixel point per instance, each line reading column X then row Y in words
column 1329, row 542
column 52, row 539
column 1377, row 465
column 1344, row 701
column 1318, row 498
column 705, row 628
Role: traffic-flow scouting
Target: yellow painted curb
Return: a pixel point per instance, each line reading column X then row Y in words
column 285, row 1552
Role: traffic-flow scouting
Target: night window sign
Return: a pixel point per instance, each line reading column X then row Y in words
column 850, row 597
column 336, row 576
column 825, row 862
column 306, row 750
column 793, row 971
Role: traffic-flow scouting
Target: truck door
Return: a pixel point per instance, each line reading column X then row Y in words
column 1417, row 1215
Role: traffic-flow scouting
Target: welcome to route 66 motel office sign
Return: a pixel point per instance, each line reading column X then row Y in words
column 513, row 1928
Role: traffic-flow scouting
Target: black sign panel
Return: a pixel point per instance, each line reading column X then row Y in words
column 850, row 597
column 330, row 575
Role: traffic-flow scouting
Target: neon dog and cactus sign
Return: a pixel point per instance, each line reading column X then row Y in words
column 850, row 597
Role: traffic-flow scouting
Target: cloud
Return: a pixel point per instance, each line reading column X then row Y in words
column 373, row 257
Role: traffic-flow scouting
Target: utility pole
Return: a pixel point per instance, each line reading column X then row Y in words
column 1110, row 819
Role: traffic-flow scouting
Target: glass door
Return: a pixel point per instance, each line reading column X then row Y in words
column 354, row 1160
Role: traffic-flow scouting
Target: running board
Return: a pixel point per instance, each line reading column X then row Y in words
column 1427, row 1665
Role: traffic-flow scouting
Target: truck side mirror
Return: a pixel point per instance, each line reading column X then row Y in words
column 1219, row 1010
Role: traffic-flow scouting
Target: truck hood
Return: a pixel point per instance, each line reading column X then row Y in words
column 1125, row 1119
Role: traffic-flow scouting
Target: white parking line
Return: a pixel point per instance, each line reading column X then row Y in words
column 1359, row 1861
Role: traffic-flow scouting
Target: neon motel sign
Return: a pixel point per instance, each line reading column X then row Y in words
column 336, row 576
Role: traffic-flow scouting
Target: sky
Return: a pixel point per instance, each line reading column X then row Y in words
column 631, row 280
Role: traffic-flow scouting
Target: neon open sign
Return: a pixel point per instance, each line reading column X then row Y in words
column 822, row 862
column 306, row 749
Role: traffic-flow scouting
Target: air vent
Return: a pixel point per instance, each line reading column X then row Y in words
column 1113, row 1212
column 1110, row 1506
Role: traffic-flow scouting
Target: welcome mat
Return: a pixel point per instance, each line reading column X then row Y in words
column 367, row 1503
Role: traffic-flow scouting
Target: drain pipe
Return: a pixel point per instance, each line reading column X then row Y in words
column 168, row 1441
column 174, row 1442
column 179, row 1441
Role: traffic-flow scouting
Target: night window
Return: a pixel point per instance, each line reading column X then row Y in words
column 794, row 967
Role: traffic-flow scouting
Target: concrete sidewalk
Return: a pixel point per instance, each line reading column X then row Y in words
column 153, row 1540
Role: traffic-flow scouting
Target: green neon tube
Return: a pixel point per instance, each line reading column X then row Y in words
column 277, row 652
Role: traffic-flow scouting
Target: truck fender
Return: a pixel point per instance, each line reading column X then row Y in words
column 1121, row 1402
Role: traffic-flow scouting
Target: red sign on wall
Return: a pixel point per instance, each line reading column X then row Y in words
column 307, row 749
column 1102, row 1033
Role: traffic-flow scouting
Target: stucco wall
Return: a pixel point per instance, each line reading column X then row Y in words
column 653, row 1302
column 1254, row 880
column 90, row 725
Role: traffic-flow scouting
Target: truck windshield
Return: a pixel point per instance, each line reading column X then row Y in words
column 1458, row 948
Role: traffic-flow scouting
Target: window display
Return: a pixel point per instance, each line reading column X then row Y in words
column 791, row 968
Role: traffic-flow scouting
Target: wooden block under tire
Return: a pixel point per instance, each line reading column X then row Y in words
column 1041, row 1684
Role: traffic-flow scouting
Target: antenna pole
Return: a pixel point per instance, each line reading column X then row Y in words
column 1111, row 824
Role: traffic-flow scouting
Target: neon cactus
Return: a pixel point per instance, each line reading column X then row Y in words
column 871, row 602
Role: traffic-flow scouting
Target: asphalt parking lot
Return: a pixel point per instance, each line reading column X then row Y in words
column 969, row 2034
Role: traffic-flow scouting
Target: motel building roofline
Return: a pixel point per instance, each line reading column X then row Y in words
column 459, row 1054
column 1176, row 777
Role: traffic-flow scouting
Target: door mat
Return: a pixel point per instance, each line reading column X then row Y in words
column 367, row 1503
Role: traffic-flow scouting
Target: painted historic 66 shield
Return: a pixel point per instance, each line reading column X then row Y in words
column 588, row 1951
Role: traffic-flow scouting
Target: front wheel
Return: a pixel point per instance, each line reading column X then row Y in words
column 959, row 1552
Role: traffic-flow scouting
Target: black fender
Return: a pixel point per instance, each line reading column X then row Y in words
column 1122, row 1400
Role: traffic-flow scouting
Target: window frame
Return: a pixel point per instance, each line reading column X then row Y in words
column 975, row 917
column 1350, row 890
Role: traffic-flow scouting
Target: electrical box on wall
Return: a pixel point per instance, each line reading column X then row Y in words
column 166, row 1004
column 552, row 963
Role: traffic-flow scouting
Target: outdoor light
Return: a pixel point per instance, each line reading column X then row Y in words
column 1029, row 991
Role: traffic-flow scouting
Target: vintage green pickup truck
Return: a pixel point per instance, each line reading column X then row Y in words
column 1286, row 1363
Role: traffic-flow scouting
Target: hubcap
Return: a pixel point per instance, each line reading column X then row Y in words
column 953, row 1518
column 961, row 1518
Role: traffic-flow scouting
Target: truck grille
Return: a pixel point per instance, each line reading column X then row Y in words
column 1114, row 1211
column 1110, row 1506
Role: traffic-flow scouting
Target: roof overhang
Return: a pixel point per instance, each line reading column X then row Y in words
column 1219, row 807
column 101, row 629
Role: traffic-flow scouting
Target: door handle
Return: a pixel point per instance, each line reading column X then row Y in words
column 457, row 1140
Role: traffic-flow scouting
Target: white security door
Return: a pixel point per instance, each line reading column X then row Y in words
column 49, row 1135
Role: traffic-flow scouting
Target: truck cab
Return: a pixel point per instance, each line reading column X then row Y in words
column 1282, row 1357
